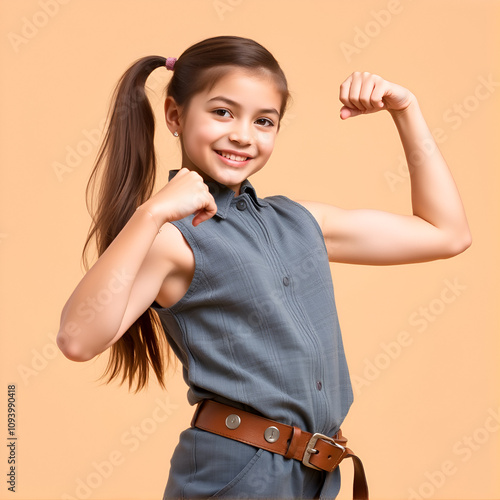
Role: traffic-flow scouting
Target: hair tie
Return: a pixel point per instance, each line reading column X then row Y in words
column 170, row 63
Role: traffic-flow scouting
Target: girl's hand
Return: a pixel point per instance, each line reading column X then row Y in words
column 363, row 93
column 184, row 195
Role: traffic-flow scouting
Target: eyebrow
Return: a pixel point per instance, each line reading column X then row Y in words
column 235, row 104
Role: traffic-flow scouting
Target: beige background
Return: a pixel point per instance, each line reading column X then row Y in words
column 425, row 420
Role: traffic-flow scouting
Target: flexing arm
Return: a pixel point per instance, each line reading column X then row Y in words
column 127, row 277
column 438, row 227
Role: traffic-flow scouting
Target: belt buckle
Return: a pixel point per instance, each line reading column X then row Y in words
column 310, row 448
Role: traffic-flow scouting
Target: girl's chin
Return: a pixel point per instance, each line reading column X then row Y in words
column 232, row 182
column 228, row 176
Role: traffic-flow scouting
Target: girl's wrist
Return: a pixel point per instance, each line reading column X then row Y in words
column 148, row 211
column 410, row 108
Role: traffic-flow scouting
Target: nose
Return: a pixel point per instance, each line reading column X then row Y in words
column 241, row 133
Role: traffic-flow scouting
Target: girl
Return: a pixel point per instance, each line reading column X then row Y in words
column 239, row 285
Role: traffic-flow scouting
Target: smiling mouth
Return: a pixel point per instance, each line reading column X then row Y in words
column 231, row 156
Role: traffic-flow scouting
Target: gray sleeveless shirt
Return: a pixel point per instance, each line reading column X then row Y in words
column 258, row 327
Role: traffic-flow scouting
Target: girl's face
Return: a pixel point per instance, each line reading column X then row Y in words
column 228, row 132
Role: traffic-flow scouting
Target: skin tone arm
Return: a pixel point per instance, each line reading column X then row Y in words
column 437, row 229
column 133, row 269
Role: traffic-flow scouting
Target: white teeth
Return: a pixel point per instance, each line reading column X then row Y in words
column 232, row 157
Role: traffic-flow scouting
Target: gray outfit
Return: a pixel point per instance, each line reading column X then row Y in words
column 258, row 330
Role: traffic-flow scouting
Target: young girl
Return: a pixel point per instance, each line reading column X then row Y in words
column 239, row 285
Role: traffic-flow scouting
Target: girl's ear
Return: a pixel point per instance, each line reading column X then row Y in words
column 172, row 115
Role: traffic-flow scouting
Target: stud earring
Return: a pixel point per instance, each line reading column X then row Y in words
column 176, row 134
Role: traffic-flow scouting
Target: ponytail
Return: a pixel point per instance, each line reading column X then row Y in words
column 126, row 166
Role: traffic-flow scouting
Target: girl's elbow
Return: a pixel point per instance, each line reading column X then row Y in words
column 71, row 349
column 459, row 243
column 465, row 241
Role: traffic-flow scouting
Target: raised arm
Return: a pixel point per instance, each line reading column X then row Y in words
column 437, row 229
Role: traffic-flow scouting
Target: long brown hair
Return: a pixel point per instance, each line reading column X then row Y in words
column 126, row 166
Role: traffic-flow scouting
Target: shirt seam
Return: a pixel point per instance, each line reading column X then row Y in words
column 306, row 211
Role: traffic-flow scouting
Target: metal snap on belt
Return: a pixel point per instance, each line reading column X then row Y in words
column 233, row 421
column 271, row 434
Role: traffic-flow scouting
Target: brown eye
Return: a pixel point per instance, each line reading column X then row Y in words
column 265, row 122
column 220, row 112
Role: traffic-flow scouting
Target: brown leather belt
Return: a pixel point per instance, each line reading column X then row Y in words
column 313, row 450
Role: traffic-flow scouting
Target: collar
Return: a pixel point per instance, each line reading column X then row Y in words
column 224, row 196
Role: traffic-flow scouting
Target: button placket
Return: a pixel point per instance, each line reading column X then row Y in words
column 281, row 267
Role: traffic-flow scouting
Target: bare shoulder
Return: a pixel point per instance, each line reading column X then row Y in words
column 171, row 247
column 321, row 211
column 174, row 259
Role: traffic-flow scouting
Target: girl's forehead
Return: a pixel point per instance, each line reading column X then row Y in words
column 247, row 86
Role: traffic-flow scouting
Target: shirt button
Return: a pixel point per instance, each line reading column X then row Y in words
column 286, row 280
column 241, row 205
column 319, row 385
